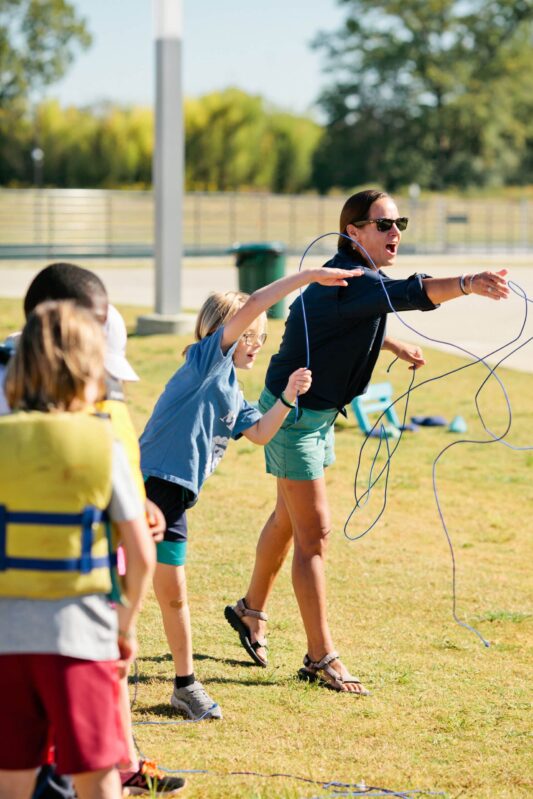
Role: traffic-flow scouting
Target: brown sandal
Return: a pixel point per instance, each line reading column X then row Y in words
column 234, row 615
column 320, row 671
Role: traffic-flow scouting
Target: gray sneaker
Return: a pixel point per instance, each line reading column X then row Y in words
column 194, row 702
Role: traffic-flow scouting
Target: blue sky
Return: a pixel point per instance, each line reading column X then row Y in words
column 262, row 48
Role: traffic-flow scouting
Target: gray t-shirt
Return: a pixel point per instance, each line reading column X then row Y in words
column 79, row 627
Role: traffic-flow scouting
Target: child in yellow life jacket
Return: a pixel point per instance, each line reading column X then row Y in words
column 60, row 471
column 59, row 281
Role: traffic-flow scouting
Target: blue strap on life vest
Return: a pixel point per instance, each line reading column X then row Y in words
column 84, row 564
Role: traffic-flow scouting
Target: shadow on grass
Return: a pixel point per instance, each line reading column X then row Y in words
column 228, row 661
column 245, row 682
column 166, row 711
column 155, row 658
column 148, row 678
column 198, row 656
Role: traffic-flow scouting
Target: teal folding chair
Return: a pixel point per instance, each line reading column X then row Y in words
column 377, row 399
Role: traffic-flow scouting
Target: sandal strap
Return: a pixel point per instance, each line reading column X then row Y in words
column 242, row 610
column 316, row 665
column 324, row 665
column 326, row 660
column 259, row 644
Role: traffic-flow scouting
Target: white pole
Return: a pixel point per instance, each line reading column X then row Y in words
column 168, row 172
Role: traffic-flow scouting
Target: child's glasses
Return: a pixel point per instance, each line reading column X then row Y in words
column 252, row 338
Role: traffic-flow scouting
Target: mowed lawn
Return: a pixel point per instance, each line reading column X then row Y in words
column 445, row 714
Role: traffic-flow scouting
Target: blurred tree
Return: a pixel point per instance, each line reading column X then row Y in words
column 233, row 141
column 223, row 133
column 104, row 145
column 38, row 39
column 37, row 43
column 295, row 139
column 433, row 90
column 16, row 137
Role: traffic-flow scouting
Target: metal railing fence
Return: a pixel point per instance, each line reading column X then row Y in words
column 88, row 223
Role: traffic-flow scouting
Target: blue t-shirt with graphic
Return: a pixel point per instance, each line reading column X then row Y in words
column 201, row 408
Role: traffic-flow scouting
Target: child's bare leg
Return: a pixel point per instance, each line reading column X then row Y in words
column 17, row 784
column 170, row 586
column 103, row 784
column 189, row 696
column 272, row 548
column 125, row 718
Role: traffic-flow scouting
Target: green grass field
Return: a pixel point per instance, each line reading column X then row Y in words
column 445, row 714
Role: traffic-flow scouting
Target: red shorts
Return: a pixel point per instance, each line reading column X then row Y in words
column 69, row 703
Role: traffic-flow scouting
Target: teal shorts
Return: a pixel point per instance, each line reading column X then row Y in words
column 173, row 553
column 301, row 449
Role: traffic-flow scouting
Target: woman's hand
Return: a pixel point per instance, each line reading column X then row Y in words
column 488, row 284
column 333, row 277
column 299, row 383
column 411, row 353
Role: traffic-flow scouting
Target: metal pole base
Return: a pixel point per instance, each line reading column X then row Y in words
column 160, row 324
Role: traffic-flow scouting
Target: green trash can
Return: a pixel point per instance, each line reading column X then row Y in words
column 259, row 264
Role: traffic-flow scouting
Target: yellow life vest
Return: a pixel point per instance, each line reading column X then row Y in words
column 124, row 431
column 55, row 484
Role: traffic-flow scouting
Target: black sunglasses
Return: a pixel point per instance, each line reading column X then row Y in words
column 383, row 224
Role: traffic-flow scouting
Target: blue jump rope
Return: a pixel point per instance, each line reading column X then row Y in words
column 360, row 500
column 336, row 788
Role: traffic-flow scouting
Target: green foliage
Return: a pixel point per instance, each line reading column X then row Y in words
column 225, row 140
column 37, row 43
column 38, row 40
column 295, row 140
column 233, row 141
column 102, row 146
column 433, row 90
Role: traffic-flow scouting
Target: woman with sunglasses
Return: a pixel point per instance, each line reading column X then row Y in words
column 347, row 330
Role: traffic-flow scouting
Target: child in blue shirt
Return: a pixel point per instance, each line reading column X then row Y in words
column 201, row 408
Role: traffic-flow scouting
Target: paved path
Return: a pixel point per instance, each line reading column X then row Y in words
column 476, row 324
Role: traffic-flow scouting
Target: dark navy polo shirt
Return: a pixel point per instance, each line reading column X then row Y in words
column 346, row 330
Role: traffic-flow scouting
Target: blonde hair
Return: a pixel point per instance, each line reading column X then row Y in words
column 215, row 312
column 61, row 349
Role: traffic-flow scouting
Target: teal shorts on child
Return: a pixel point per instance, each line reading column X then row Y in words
column 301, row 449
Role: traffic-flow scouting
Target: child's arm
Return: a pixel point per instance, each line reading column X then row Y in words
column 268, row 425
column 140, row 557
column 269, row 295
